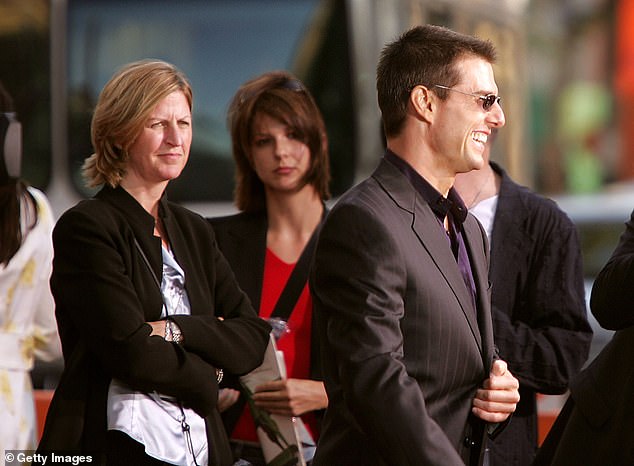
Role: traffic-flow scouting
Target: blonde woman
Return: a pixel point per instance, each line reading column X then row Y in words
column 150, row 315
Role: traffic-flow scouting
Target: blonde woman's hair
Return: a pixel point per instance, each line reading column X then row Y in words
column 124, row 105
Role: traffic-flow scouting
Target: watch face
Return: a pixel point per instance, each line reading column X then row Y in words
column 175, row 332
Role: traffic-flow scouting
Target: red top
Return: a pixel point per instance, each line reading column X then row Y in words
column 295, row 344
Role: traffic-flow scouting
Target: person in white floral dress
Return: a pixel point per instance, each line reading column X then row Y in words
column 28, row 329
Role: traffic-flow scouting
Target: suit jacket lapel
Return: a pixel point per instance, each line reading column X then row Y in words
column 431, row 236
column 141, row 225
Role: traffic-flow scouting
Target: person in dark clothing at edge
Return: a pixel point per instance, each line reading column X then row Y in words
column 595, row 426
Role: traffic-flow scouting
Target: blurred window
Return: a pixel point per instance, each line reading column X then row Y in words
column 218, row 44
column 24, row 71
column 598, row 241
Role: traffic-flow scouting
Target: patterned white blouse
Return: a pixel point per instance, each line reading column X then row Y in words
column 28, row 329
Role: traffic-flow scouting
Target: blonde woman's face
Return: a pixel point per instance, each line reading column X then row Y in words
column 160, row 152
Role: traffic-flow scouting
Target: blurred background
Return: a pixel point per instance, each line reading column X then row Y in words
column 565, row 74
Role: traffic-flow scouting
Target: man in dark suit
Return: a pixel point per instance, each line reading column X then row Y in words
column 595, row 426
column 537, row 297
column 400, row 274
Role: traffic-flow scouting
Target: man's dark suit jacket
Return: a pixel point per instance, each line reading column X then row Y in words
column 104, row 292
column 242, row 240
column 403, row 349
column 538, row 308
column 596, row 426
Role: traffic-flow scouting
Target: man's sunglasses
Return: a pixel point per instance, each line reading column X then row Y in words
column 487, row 100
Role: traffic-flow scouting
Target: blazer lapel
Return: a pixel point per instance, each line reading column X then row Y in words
column 141, row 225
column 431, row 236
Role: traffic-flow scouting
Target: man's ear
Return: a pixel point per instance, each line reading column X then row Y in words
column 423, row 102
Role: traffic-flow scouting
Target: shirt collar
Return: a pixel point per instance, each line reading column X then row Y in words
column 452, row 204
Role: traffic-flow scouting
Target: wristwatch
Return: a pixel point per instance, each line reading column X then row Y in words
column 173, row 332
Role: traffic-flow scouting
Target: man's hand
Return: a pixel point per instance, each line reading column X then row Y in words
column 499, row 395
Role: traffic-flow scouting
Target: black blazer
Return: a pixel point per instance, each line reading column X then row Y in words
column 538, row 307
column 104, row 293
column 403, row 349
column 242, row 240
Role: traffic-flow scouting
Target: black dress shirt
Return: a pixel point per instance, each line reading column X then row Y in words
column 450, row 207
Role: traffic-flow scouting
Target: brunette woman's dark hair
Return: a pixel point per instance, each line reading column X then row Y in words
column 283, row 97
column 13, row 192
